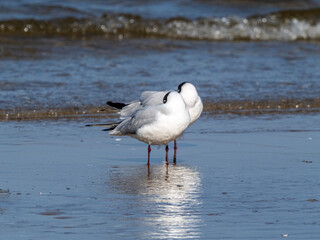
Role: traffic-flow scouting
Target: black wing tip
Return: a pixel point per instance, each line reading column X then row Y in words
column 116, row 104
column 108, row 129
column 110, row 126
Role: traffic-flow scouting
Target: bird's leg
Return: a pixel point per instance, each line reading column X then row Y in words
column 175, row 144
column 149, row 150
column 174, row 156
column 167, row 149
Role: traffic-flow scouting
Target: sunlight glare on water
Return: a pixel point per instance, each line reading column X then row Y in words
column 169, row 199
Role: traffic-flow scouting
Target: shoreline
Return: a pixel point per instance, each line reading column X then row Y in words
column 235, row 107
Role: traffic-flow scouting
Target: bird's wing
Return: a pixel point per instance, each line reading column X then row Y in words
column 142, row 117
column 148, row 98
column 108, row 125
column 130, row 109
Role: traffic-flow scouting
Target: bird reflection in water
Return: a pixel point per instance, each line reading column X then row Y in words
column 167, row 201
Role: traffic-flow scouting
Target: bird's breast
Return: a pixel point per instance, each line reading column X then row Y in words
column 166, row 129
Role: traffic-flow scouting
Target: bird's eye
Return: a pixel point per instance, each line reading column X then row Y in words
column 166, row 97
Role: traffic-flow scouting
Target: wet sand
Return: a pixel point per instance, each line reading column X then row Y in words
column 236, row 177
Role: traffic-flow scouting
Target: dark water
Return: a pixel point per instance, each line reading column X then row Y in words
column 66, row 58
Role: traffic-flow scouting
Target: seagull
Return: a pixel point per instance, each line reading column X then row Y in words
column 148, row 98
column 156, row 124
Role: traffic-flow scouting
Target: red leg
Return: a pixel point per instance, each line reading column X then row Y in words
column 167, row 149
column 175, row 156
column 175, row 144
column 167, row 172
column 149, row 150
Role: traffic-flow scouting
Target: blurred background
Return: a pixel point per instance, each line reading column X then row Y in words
column 69, row 57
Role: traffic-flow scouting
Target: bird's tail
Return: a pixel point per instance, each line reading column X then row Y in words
column 116, row 105
column 109, row 126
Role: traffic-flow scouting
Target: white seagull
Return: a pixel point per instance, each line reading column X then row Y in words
column 148, row 98
column 156, row 124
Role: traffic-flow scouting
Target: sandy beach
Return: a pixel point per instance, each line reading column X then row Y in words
column 235, row 178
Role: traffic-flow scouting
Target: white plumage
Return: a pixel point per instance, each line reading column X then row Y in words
column 158, row 117
column 157, row 124
column 187, row 91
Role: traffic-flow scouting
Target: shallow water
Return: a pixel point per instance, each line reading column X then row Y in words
column 267, row 74
column 240, row 178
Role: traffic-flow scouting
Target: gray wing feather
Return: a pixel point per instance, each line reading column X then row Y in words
column 128, row 110
column 140, row 118
column 147, row 98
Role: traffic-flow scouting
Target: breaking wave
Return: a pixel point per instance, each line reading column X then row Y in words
column 290, row 25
